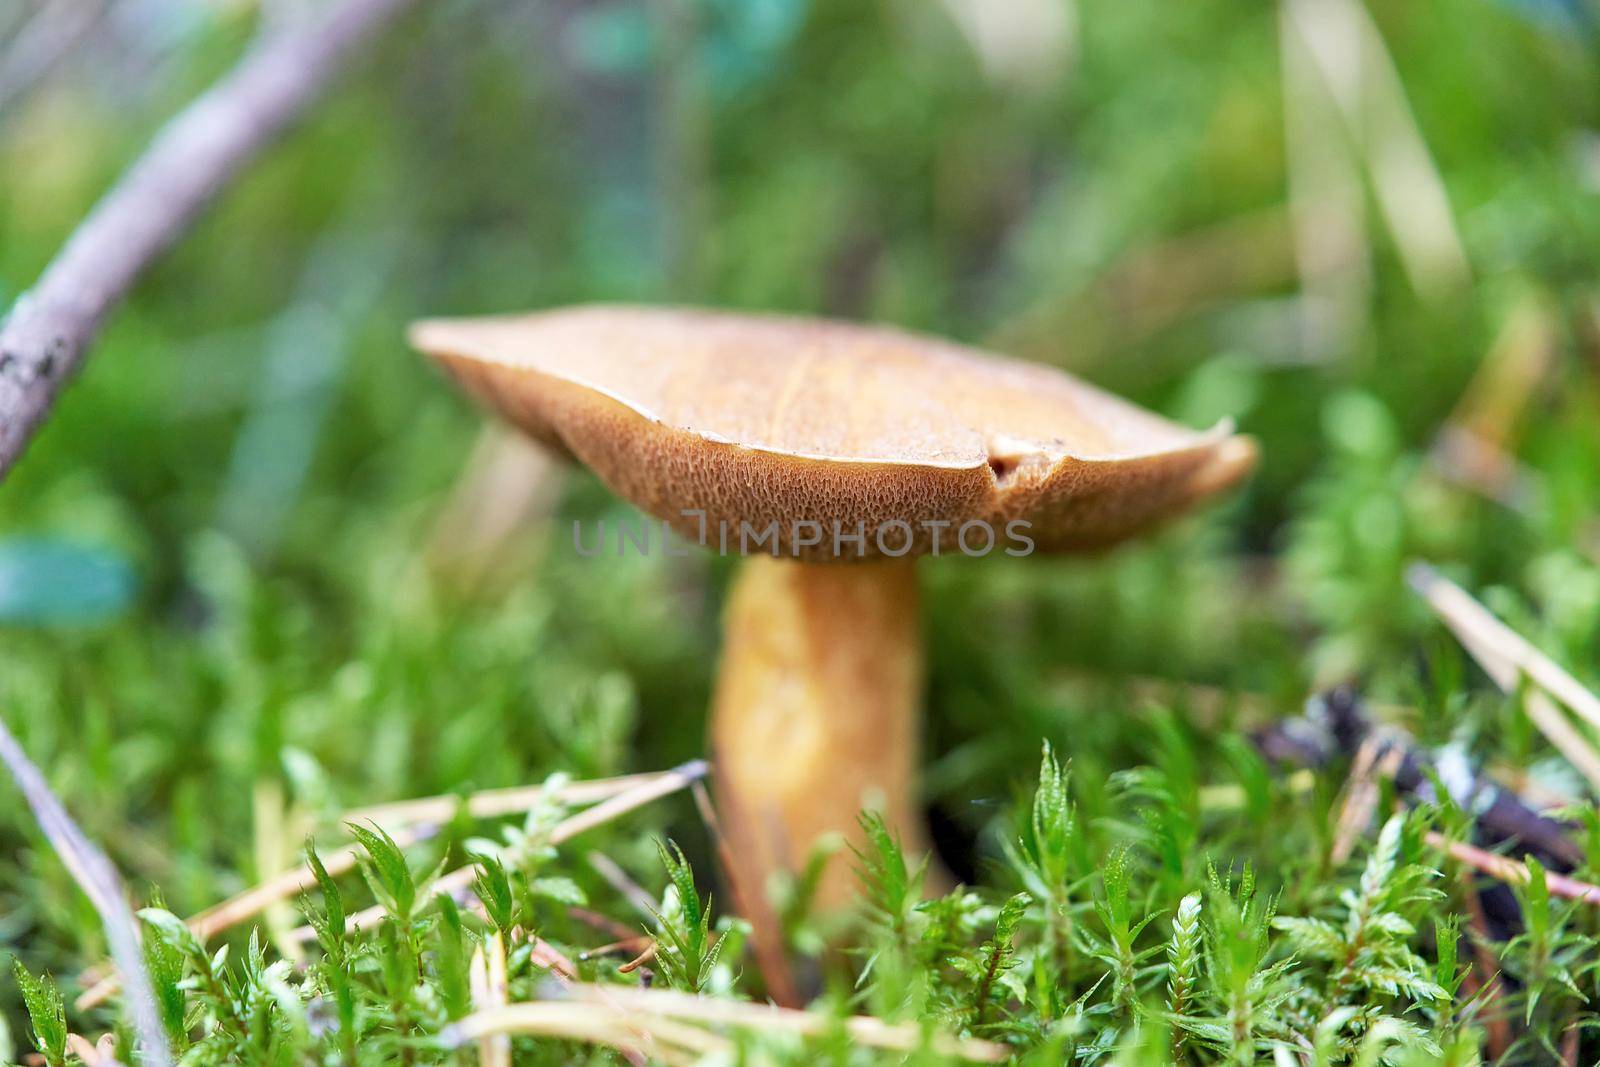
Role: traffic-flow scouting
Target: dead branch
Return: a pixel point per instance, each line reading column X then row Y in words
column 102, row 884
column 47, row 335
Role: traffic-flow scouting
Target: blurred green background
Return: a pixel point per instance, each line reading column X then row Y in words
column 232, row 575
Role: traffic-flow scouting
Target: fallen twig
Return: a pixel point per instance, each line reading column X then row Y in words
column 1336, row 726
column 1485, row 971
column 46, row 337
column 1338, row 722
column 1509, row 870
column 102, row 884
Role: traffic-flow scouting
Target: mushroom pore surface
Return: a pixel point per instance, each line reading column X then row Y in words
column 709, row 420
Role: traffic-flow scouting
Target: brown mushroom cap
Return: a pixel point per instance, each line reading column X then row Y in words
column 763, row 419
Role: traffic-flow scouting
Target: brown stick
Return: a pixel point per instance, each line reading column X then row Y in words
column 47, row 335
column 1485, row 971
column 1509, row 870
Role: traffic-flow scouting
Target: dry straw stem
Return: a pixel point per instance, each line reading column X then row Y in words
column 654, row 1010
column 507, row 486
column 662, row 1040
column 614, row 876
column 490, row 987
column 1483, row 978
column 492, row 803
column 428, row 811
column 1150, row 287
column 1354, row 63
column 1210, row 707
column 48, row 333
column 1504, row 656
column 460, row 879
column 1327, row 205
column 413, row 820
column 1473, row 449
column 1361, row 794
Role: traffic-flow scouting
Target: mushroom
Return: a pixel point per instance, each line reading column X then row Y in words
column 832, row 455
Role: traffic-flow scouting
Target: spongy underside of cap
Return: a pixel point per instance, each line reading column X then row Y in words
column 714, row 421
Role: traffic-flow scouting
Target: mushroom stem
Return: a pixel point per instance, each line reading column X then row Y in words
column 816, row 714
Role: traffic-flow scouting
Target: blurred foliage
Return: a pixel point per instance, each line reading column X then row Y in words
column 253, row 441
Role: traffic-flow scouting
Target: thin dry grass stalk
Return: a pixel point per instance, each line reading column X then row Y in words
column 244, row 906
column 490, row 989
column 1209, row 707
column 508, row 484
column 1475, row 447
column 1354, row 63
column 1361, row 794
column 1505, row 656
column 1149, row 287
column 863, row 1029
column 459, row 881
column 628, row 946
column 414, row 820
column 1475, row 444
column 648, row 1019
column 617, row 878
column 1458, row 608
column 493, row 803
column 1332, row 248
column 51, row 35
column 1483, row 979
column 766, row 927
column 662, row 1040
